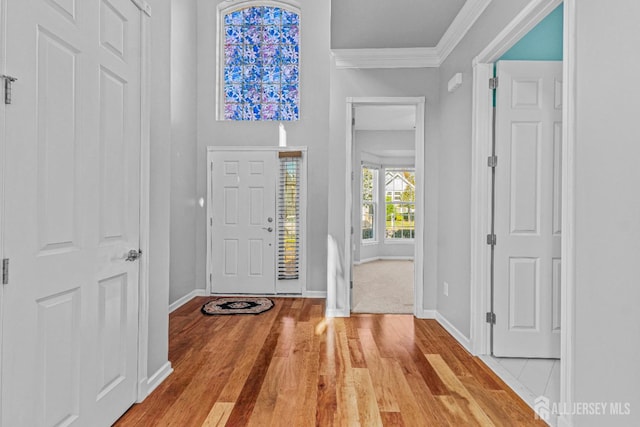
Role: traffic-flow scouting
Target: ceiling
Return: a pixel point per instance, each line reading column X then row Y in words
column 385, row 117
column 359, row 24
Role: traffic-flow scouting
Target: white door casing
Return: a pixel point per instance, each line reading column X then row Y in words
column 243, row 221
column 528, row 209
column 72, row 206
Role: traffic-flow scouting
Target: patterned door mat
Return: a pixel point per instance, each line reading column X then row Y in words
column 237, row 305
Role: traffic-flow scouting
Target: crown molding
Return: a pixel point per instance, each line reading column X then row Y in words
column 462, row 23
column 415, row 57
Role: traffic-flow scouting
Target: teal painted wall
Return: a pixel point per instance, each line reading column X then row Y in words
column 542, row 43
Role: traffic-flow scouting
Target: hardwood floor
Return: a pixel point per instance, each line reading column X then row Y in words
column 287, row 367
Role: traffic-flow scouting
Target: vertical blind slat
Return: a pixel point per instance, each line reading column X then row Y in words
column 289, row 217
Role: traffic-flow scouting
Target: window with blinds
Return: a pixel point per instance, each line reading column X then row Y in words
column 289, row 215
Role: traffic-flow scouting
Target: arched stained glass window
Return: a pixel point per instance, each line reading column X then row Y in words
column 261, row 64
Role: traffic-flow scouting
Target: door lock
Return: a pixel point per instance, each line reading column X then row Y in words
column 133, row 255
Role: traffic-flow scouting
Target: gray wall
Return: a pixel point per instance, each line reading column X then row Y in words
column 367, row 142
column 607, row 209
column 393, row 82
column 160, row 176
column 183, row 147
column 311, row 130
column 454, row 195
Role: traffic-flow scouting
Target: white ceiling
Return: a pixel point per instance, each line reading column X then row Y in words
column 385, row 117
column 357, row 24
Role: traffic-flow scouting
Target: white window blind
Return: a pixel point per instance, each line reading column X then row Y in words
column 289, row 215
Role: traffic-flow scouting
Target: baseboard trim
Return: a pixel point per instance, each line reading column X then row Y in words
column 426, row 314
column 337, row 313
column 314, row 294
column 157, row 378
column 384, row 258
column 185, row 299
column 459, row 336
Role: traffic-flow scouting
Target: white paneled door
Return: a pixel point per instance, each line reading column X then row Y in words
column 527, row 212
column 243, row 221
column 72, row 201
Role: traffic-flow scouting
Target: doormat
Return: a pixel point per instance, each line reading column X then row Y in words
column 237, row 305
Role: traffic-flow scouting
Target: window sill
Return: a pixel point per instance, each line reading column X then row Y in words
column 369, row 243
column 399, row 241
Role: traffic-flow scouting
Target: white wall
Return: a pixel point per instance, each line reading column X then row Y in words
column 311, row 130
column 183, row 147
column 160, row 176
column 382, row 144
column 607, row 209
column 389, row 82
column 454, row 191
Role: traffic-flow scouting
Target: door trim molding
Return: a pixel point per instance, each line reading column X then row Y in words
column 3, row 58
column 303, row 209
column 145, row 168
column 418, row 281
column 529, row 17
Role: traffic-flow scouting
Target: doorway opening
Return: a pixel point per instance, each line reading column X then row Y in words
column 540, row 160
column 385, row 204
column 384, row 189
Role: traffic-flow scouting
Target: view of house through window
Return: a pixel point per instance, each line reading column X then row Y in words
column 261, row 64
column 400, row 199
column 369, row 199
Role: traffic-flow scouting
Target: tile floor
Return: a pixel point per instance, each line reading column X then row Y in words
column 529, row 378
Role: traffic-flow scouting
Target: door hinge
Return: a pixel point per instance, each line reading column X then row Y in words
column 351, row 285
column 5, row 271
column 8, row 82
column 492, row 161
column 351, row 229
column 491, row 239
column 211, row 221
column 210, row 278
column 491, row 318
column 353, row 121
column 493, row 83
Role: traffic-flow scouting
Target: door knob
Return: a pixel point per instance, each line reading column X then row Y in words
column 269, row 229
column 133, row 255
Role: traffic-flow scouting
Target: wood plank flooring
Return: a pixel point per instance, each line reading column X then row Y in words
column 289, row 367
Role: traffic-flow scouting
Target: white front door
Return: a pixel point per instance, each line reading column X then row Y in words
column 527, row 211
column 72, row 183
column 243, row 221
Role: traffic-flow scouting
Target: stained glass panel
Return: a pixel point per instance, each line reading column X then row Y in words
column 261, row 64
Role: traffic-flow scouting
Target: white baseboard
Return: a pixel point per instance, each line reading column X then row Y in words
column 427, row 314
column 383, row 258
column 314, row 294
column 459, row 336
column 185, row 299
column 157, row 378
column 337, row 313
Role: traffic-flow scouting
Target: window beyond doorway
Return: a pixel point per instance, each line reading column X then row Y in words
column 369, row 201
column 400, row 203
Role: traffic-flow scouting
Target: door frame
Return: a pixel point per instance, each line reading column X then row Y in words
column 303, row 212
column 145, row 146
column 482, row 132
column 418, row 280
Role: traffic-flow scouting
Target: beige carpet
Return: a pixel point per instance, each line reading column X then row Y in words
column 383, row 287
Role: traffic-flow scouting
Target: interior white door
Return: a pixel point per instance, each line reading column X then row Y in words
column 243, row 221
column 527, row 212
column 70, row 310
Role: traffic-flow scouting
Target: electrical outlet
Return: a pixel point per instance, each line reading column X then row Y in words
column 445, row 289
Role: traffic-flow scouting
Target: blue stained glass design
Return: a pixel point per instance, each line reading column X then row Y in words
column 290, row 18
column 271, row 93
column 261, row 73
column 251, row 53
column 233, row 93
column 271, row 16
column 289, row 54
column 289, row 73
column 290, row 34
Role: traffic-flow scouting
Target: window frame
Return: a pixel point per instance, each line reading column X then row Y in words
column 227, row 7
column 398, row 240
column 374, row 203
